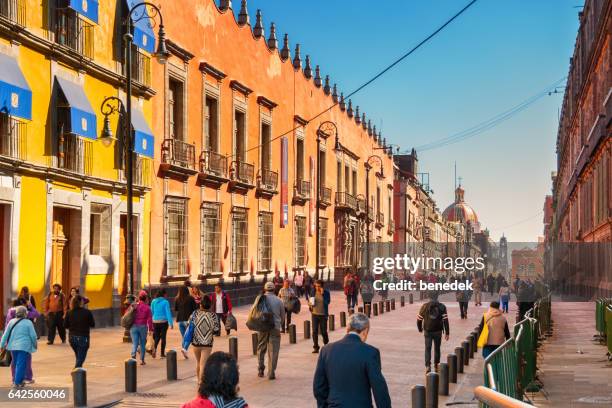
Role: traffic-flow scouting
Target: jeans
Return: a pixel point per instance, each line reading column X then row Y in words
column 269, row 342
column 159, row 333
column 20, row 361
column 487, row 350
column 351, row 301
column 55, row 321
column 436, row 338
column 28, row 371
column 504, row 302
column 80, row 345
column 183, row 328
column 463, row 308
column 319, row 322
column 139, row 338
column 222, row 318
column 287, row 319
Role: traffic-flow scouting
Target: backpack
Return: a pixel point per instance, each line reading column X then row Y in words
column 432, row 319
column 127, row 320
column 260, row 317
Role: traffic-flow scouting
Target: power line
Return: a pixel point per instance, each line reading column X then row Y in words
column 374, row 78
column 491, row 122
column 518, row 222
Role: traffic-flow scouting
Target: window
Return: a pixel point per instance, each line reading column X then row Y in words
column 211, row 125
column 378, row 204
column 266, row 146
column 175, row 109
column 240, row 239
column 176, row 235
column 74, row 32
column 322, row 241
column 299, row 159
column 264, row 259
column 354, row 192
column 240, row 135
column 338, row 176
column 141, row 66
column 100, row 222
column 322, row 167
column 389, row 209
column 14, row 10
column 347, row 180
column 210, row 238
column 300, row 241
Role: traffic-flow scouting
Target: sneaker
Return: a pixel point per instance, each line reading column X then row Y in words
column 49, row 343
column 315, row 351
column 142, row 363
column 162, row 356
column 260, row 373
column 271, row 377
column 29, row 381
column 184, row 352
column 427, row 369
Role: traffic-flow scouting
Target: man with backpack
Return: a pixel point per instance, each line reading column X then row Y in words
column 433, row 321
column 269, row 340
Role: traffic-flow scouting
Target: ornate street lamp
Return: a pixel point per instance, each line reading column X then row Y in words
column 323, row 132
column 368, row 167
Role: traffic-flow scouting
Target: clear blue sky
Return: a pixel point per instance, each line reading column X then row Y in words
column 493, row 57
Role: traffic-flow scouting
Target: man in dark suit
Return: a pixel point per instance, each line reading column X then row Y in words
column 349, row 372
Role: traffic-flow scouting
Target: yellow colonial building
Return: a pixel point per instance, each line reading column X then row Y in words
column 62, row 189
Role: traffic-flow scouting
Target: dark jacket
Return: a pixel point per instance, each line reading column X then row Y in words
column 424, row 314
column 326, row 300
column 78, row 321
column 348, row 373
column 184, row 308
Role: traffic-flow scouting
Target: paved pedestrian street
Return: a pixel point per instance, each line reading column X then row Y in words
column 394, row 333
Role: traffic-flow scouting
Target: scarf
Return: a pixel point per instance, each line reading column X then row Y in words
column 220, row 403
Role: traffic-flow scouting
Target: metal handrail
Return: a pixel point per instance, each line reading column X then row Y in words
column 497, row 351
column 496, row 399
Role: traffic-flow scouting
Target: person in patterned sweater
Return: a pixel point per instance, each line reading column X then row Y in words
column 205, row 324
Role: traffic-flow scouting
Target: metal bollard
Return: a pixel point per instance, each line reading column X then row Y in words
column 387, row 306
column 475, row 341
column 332, row 322
column 254, row 343
column 459, row 354
column 381, row 307
column 367, row 309
column 306, row 329
column 360, row 309
column 466, row 353
column 402, row 301
column 452, row 367
column 443, row 378
column 411, row 298
column 171, row 369
column 130, row 375
column 233, row 347
column 418, row 396
column 375, row 309
column 292, row 334
column 79, row 387
column 342, row 319
column 470, row 340
column 393, row 304
column 431, row 398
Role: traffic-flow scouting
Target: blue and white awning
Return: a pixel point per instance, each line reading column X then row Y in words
column 86, row 8
column 15, row 93
column 144, row 141
column 82, row 118
column 144, row 37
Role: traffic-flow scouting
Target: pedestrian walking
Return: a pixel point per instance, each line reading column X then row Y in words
column 349, row 371
column 53, row 308
column 32, row 312
column 25, row 294
column 288, row 296
column 477, row 285
column 19, row 339
column 219, row 386
column 205, row 325
column 74, row 291
column 367, row 290
column 432, row 321
column 319, row 308
column 269, row 341
column 308, row 283
column 463, row 299
column 384, row 292
column 504, row 296
column 162, row 319
column 351, row 290
column 525, row 299
column 79, row 321
column 277, row 280
column 491, row 284
column 221, row 306
column 184, row 306
column 143, row 324
column 298, row 282
column 496, row 332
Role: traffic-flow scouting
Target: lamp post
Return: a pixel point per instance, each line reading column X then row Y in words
column 125, row 110
column 369, row 167
column 323, row 132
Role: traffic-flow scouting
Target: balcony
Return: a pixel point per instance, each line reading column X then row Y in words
column 141, row 67
column 325, row 195
column 241, row 176
column 346, row 201
column 142, row 171
column 73, row 32
column 13, row 136
column 301, row 192
column 14, row 11
column 213, row 168
column 178, row 158
column 391, row 227
column 380, row 220
column 267, row 183
column 75, row 154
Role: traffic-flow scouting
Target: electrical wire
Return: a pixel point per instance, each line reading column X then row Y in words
column 375, row 77
column 518, row 222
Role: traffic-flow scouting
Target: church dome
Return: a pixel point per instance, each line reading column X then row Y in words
column 460, row 211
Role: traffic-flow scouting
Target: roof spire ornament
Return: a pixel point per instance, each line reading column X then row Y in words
column 364, row 124
column 335, row 94
column 225, row 5
column 297, row 60
column 285, row 52
column 374, row 134
column 342, row 104
column 357, row 115
column 349, row 111
column 258, row 30
column 308, row 68
column 272, row 41
column 317, row 77
column 369, row 127
column 327, row 88
column 243, row 15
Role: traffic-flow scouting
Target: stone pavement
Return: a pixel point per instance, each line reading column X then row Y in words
column 394, row 333
column 573, row 367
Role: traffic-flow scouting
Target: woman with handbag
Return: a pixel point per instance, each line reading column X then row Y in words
column 205, row 325
column 493, row 330
column 20, row 339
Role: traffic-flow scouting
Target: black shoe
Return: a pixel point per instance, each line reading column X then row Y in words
column 63, row 341
column 436, row 368
column 282, row 331
column 260, row 373
column 228, row 332
column 49, row 343
column 315, row 351
column 271, row 377
column 427, row 369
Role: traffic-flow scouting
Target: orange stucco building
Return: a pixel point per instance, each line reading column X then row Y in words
column 234, row 197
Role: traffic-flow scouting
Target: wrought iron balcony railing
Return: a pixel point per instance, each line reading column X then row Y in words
column 302, row 189
column 14, row 10
column 325, row 195
column 13, row 137
column 213, row 163
column 74, row 32
column 267, row 180
column 178, row 154
column 346, row 200
column 391, row 227
column 380, row 218
column 75, row 154
column 242, row 172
